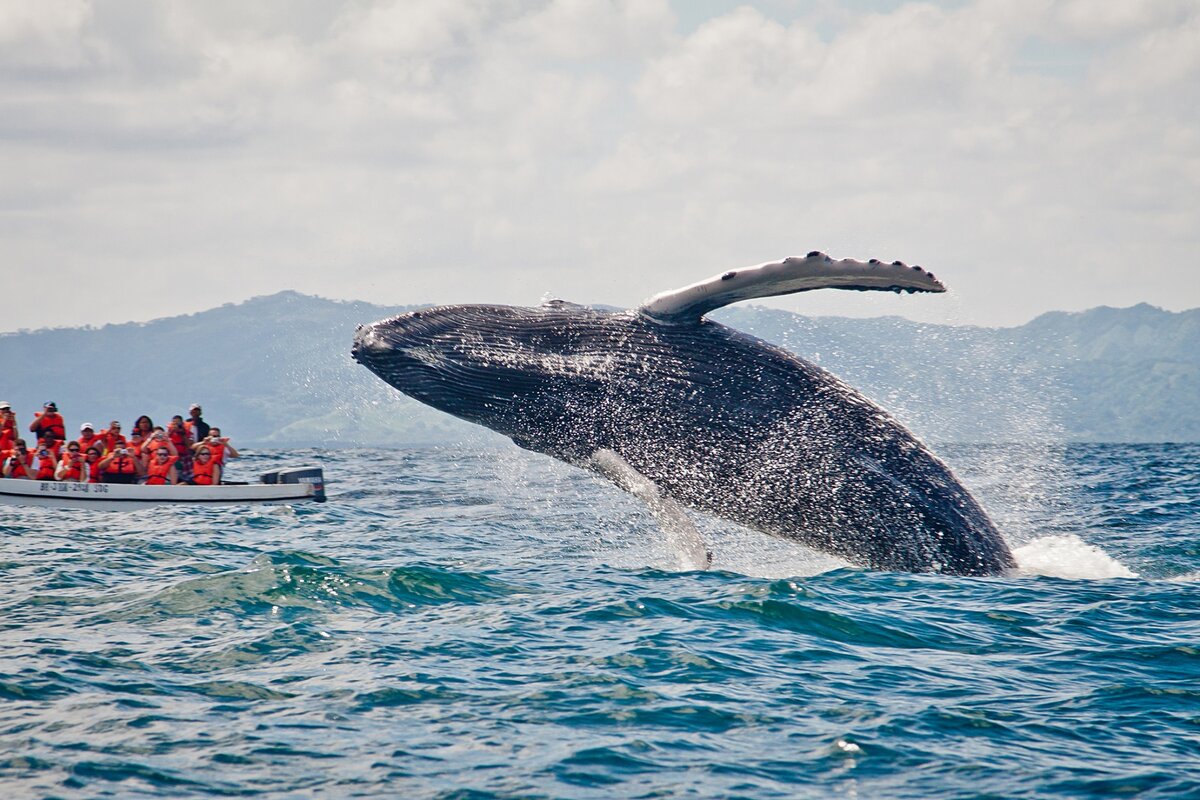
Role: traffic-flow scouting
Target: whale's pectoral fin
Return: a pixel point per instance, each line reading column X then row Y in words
column 681, row 532
column 814, row 271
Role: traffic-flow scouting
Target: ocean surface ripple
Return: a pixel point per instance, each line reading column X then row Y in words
column 472, row 623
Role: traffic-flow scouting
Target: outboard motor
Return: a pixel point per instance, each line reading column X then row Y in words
column 312, row 475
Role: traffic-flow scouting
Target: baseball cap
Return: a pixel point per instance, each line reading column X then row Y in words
column 5, row 404
column 86, row 425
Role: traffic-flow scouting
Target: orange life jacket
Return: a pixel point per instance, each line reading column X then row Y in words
column 178, row 437
column 94, row 471
column 46, row 466
column 156, row 471
column 122, row 465
column 74, row 469
column 113, row 440
column 20, row 468
column 50, row 422
column 218, row 452
column 202, row 474
column 96, row 442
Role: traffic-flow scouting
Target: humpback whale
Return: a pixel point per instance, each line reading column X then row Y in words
column 686, row 413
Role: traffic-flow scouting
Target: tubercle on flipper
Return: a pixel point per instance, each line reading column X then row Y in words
column 791, row 275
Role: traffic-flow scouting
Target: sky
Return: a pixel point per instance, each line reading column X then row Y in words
column 160, row 157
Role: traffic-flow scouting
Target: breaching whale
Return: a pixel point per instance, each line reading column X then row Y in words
column 685, row 412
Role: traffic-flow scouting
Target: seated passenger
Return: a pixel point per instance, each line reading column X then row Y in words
column 205, row 469
column 161, row 469
column 48, row 442
column 72, row 467
column 156, row 439
column 47, row 460
column 220, row 446
column 112, row 437
column 121, row 466
column 144, row 425
column 48, row 420
column 182, row 440
column 92, row 462
column 88, row 438
column 18, row 461
column 135, row 443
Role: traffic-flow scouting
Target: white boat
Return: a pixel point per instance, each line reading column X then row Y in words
column 278, row 486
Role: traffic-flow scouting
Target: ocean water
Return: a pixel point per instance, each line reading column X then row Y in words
column 477, row 623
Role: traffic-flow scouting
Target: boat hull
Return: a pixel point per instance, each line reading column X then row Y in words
column 309, row 485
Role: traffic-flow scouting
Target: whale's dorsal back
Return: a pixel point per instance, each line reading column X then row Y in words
column 814, row 271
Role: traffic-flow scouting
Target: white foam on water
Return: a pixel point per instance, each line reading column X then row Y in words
column 1068, row 556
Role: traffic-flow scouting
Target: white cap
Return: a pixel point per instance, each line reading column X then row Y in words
column 194, row 405
column 86, row 425
column 5, row 404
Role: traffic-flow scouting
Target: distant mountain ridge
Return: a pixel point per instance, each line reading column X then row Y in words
column 276, row 371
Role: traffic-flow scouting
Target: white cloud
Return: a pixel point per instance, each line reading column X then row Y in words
column 471, row 150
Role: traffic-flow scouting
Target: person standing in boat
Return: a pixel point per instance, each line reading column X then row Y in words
column 72, row 468
column 121, row 466
column 8, row 426
column 161, row 469
column 195, row 425
column 48, row 420
column 19, row 461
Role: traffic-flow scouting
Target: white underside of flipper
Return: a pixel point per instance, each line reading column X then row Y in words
column 814, row 271
column 681, row 533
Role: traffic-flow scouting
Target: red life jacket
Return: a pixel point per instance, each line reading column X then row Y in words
column 156, row 471
column 50, row 422
column 94, row 471
column 46, row 466
column 202, row 474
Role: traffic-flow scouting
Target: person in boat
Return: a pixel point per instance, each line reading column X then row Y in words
column 48, row 420
column 18, row 462
column 144, row 425
column 205, row 469
column 219, row 445
column 196, row 427
column 8, row 426
column 92, row 462
column 113, row 437
column 161, row 469
column 45, row 460
column 48, row 442
column 72, row 467
column 179, row 437
column 121, row 466
column 88, row 438
column 135, row 444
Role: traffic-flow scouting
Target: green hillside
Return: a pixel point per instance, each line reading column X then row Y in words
column 276, row 371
